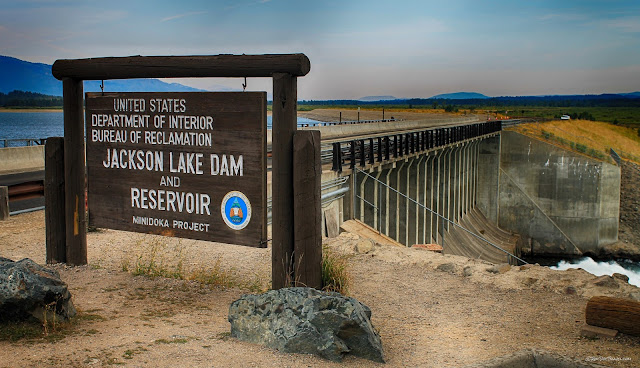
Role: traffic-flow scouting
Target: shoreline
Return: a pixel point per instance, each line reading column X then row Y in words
column 4, row 109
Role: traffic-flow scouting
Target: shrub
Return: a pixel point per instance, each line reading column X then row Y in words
column 581, row 148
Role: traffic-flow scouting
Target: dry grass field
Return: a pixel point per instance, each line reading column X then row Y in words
column 587, row 137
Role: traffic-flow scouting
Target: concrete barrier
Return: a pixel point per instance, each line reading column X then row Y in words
column 351, row 130
column 21, row 159
column 347, row 130
column 562, row 201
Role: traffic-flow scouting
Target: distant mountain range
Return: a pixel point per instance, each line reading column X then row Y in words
column 444, row 96
column 632, row 94
column 460, row 96
column 16, row 74
column 20, row 75
column 377, row 98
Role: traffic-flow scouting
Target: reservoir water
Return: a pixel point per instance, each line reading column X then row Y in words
column 37, row 125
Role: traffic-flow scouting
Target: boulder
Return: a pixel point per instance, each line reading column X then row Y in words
column 364, row 246
column 606, row 281
column 501, row 268
column 467, row 271
column 447, row 267
column 619, row 276
column 28, row 291
column 305, row 320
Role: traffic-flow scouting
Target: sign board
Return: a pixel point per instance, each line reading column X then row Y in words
column 190, row 164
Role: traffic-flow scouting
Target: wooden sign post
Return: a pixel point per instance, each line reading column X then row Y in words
column 284, row 69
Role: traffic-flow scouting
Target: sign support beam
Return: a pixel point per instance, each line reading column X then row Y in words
column 74, row 171
column 284, row 127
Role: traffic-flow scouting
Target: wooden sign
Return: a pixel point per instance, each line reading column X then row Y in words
column 189, row 165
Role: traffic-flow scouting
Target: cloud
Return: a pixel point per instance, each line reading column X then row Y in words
column 624, row 24
column 564, row 17
column 181, row 16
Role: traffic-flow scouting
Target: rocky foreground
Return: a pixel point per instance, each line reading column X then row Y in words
column 430, row 310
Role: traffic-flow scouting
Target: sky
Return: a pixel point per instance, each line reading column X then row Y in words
column 357, row 48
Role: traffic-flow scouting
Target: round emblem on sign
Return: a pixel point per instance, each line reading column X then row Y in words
column 236, row 210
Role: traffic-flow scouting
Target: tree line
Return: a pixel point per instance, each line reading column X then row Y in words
column 605, row 100
column 29, row 99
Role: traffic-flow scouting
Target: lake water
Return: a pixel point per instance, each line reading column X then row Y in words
column 37, row 125
column 631, row 269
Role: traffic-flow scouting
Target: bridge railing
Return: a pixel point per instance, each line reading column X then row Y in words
column 348, row 122
column 22, row 142
column 363, row 152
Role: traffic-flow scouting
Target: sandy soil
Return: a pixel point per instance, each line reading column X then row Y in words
column 426, row 317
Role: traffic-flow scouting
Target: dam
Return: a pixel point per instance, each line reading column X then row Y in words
column 471, row 186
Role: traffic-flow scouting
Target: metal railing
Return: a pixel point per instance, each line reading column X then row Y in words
column 368, row 151
column 332, row 123
column 325, row 198
column 22, row 142
column 507, row 253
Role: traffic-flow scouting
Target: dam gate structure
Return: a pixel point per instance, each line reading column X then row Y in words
column 429, row 186
column 479, row 192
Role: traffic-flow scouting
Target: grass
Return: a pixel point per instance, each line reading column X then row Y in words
column 152, row 261
column 177, row 340
column 335, row 273
column 13, row 332
column 158, row 259
column 623, row 115
column 51, row 330
column 592, row 138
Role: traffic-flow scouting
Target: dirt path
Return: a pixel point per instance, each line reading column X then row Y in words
column 428, row 312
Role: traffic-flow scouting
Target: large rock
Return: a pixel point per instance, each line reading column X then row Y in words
column 305, row 320
column 28, row 290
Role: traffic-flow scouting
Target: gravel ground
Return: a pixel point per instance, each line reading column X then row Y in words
column 432, row 310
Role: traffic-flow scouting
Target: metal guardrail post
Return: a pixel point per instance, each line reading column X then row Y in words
column 407, row 146
column 337, row 157
column 371, row 152
column 379, row 149
column 363, row 154
column 387, row 144
column 352, row 149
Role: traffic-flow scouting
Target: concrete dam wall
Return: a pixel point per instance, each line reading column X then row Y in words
column 559, row 201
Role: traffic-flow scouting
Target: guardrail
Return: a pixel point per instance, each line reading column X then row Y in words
column 332, row 123
column 512, row 122
column 382, row 148
column 22, row 142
